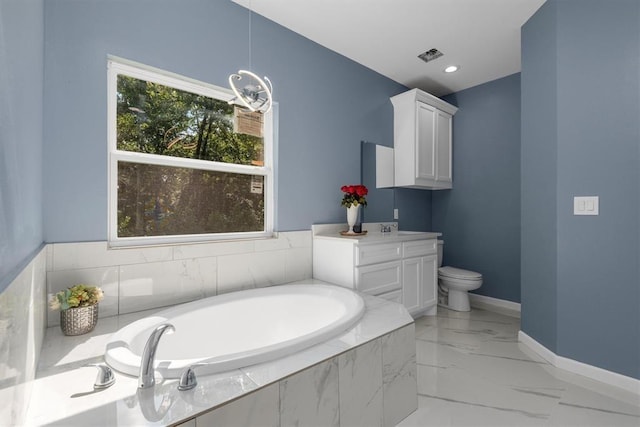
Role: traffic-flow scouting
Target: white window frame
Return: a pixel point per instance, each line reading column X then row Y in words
column 116, row 66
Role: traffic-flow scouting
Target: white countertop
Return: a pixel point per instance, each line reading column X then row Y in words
column 63, row 394
column 373, row 235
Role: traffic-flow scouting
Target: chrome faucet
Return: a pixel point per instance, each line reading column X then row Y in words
column 386, row 228
column 188, row 378
column 146, row 379
column 105, row 378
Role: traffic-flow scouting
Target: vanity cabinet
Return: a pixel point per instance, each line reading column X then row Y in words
column 422, row 131
column 397, row 270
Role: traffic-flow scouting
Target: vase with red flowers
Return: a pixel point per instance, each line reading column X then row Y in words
column 353, row 198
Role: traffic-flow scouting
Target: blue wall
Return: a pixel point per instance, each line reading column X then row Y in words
column 597, row 152
column 21, row 70
column 415, row 209
column 327, row 103
column 414, row 206
column 539, row 178
column 480, row 216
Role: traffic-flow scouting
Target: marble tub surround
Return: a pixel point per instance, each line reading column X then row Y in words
column 63, row 390
column 141, row 278
column 472, row 371
column 22, row 325
column 348, row 390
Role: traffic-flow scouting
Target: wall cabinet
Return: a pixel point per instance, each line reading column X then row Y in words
column 400, row 271
column 422, row 131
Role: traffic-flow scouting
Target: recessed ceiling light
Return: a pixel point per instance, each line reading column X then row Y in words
column 451, row 69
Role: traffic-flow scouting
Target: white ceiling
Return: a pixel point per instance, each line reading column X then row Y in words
column 481, row 36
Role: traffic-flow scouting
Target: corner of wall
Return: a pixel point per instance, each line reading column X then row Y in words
column 23, row 308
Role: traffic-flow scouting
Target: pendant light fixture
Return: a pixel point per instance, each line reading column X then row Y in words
column 251, row 92
column 254, row 93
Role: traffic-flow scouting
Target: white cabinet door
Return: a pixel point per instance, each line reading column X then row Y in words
column 429, row 294
column 411, row 283
column 422, row 135
column 443, row 149
column 419, row 282
column 425, row 141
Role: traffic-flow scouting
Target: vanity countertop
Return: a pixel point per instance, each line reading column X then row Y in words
column 373, row 235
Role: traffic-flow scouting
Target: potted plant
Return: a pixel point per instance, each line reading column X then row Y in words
column 354, row 196
column 78, row 307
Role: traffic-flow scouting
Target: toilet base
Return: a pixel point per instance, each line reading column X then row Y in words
column 458, row 300
column 454, row 300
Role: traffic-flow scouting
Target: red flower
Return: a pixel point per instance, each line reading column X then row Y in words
column 354, row 195
column 361, row 190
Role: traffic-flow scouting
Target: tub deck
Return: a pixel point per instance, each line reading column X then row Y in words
column 376, row 383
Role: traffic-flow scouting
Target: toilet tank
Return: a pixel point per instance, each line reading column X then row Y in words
column 440, row 245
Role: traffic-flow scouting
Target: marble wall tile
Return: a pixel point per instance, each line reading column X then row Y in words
column 311, row 396
column 399, row 377
column 39, row 301
column 268, row 372
column 248, row 271
column 67, row 256
column 206, row 271
column 22, row 310
column 202, row 250
column 202, row 271
column 361, row 386
column 144, row 286
column 259, row 408
column 219, row 267
column 299, row 239
column 104, row 277
column 285, row 240
column 49, row 255
column 298, row 264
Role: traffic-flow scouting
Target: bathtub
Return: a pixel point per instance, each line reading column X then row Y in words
column 238, row 329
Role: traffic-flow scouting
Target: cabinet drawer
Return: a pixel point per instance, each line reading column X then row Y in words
column 371, row 254
column 419, row 248
column 379, row 278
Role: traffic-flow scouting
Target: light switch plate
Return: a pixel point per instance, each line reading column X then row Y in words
column 586, row 205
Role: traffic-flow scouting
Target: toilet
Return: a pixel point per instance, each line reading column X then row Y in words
column 454, row 285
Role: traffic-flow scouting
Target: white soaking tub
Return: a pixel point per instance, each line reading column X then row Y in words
column 238, row 329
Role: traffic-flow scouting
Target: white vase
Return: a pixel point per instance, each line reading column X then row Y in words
column 352, row 217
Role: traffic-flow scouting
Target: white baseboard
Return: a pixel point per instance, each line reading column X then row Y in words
column 624, row 382
column 496, row 305
column 538, row 348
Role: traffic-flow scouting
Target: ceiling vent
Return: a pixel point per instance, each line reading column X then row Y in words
column 430, row 55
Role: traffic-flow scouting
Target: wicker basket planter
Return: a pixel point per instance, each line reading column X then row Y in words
column 79, row 320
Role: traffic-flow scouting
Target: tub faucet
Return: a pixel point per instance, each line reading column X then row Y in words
column 105, row 378
column 146, row 378
column 188, row 378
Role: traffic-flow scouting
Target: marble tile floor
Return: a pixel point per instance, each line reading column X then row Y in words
column 473, row 372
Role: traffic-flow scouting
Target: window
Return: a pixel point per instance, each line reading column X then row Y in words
column 184, row 164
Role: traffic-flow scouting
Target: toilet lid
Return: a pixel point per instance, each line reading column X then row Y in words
column 458, row 273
